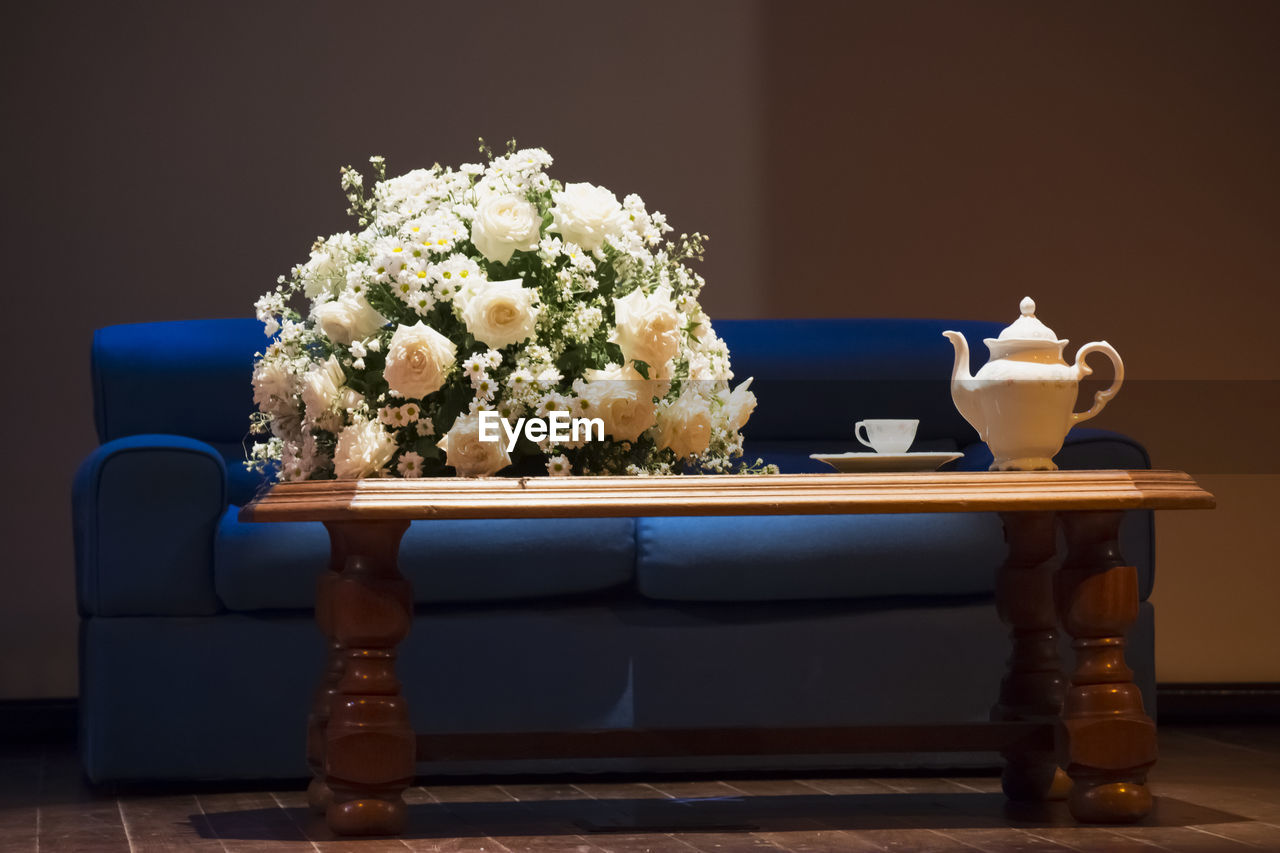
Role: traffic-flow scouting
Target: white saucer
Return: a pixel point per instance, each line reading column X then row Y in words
column 882, row 462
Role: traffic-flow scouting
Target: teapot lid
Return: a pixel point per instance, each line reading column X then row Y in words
column 1027, row 327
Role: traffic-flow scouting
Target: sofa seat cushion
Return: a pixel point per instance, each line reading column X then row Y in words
column 788, row 557
column 274, row 566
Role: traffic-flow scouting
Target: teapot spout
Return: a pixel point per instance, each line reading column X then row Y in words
column 960, row 369
column 964, row 387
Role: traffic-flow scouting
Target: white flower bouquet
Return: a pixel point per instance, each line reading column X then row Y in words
column 493, row 293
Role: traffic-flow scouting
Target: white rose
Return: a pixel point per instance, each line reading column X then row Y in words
column 320, row 386
column 648, row 328
column 418, row 360
column 685, row 425
column 622, row 399
column 272, row 386
column 503, row 224
column 739, row 406
column 347, row 318
column 586, row 214
column 467, row 454
column 364, row 449
column 498, row 313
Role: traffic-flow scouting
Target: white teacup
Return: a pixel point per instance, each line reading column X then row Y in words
column 886, row 436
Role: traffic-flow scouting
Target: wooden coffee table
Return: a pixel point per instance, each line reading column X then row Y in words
column 362, row 750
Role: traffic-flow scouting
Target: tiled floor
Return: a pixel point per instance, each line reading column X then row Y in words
column 1218, row 789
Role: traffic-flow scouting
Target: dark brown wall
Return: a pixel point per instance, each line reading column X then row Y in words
column 1118, row 161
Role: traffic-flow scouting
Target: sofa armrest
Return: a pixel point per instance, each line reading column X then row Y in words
column 1094, row 449
column 145, row 511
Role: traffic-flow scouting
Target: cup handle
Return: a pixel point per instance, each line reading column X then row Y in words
column 858, row 429
column 1101, row 398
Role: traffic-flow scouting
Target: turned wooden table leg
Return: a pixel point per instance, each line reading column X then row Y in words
column 1033, row 684
column 1110, row 741
column 318, row 793
column 369, row 743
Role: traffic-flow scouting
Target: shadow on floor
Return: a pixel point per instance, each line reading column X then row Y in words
column 718, row 814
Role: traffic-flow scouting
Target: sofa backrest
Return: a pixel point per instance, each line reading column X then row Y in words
column 187, row 377
column 815, row 379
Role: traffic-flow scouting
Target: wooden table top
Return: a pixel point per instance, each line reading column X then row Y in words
column 782, row 494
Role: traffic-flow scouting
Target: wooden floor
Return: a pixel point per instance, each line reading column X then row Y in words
column 1217, row 787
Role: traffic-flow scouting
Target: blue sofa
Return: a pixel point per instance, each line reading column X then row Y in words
column 199, row 654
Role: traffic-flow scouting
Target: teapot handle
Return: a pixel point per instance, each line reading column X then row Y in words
column 1101, row 398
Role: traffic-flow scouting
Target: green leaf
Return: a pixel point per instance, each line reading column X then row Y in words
column 385, row 303
column 425, row 447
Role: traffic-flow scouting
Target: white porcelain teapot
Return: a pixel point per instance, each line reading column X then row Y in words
column 1021, row 401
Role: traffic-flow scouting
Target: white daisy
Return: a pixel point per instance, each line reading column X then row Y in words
column 410, row 464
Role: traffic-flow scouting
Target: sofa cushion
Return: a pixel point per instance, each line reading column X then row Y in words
column 274, row 566
column 786, row 557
